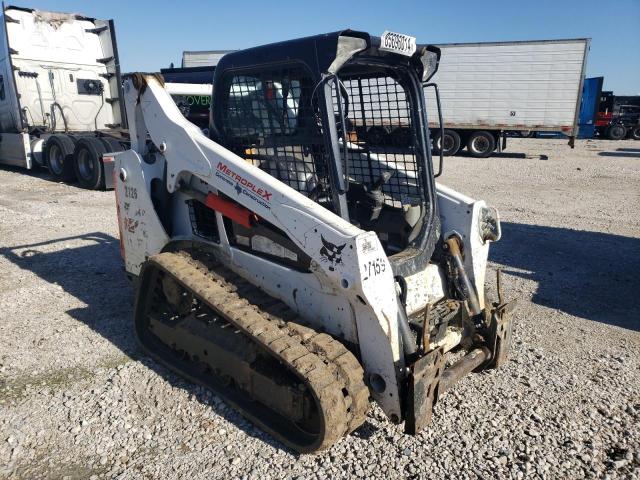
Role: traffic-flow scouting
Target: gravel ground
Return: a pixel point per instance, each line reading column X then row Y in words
column 79, row 400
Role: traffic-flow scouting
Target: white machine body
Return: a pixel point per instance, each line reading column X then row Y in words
column 351, row 292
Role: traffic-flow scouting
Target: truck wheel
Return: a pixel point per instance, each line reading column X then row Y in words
column 450, row 143
column 88, row 162
column 376, row 136
column 112, row 145
column 481, row 144
column 401, row 137
column 616, row 132
column 635, row 133
column 58, row 157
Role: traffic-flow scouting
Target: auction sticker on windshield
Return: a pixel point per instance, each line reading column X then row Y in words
column 398, row 43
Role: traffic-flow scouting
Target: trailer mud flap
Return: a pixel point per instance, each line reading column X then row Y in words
column 422, row 393
column 108, row 164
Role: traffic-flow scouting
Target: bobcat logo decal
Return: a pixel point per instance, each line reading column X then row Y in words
column 331, row 253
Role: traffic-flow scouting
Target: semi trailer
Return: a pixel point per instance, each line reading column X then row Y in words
column 61, row 95
column 490, row 89
column 487, row 91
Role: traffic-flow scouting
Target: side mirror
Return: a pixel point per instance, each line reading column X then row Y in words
column 430, row 60
column 437, row 92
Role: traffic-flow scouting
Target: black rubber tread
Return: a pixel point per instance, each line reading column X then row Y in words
column 346, row 365
column 337, row 386
column 333, row 353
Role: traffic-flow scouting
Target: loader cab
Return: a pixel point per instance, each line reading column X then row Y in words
column 312, row 112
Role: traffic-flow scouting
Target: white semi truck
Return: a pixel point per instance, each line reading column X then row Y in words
column 61, row 95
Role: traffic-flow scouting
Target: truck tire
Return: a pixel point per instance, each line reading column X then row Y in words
column 616, row 132
column 450, row 143
column 635, row 133
column 481, row 144
column 112, row 145
column 377, row 136
column 88, row 162
column 401, row 137
column 58, row 157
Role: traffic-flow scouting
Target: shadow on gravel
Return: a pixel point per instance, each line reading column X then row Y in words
column 518, row 156
column 590, row 275
column 622, row 152
column 93, row 273
column 36, row 172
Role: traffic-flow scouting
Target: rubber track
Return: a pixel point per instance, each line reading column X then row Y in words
column 330, row 371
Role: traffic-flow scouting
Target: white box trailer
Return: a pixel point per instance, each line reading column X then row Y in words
column 488, row 89
column 61, row 94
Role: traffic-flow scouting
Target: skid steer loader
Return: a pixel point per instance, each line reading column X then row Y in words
column 289, row 264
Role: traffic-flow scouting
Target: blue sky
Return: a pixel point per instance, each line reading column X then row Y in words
column 152, row 34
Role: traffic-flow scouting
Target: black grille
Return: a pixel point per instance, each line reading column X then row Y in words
column 268, row 119
column 203, row 221
column 383, row 137
column 271, row 118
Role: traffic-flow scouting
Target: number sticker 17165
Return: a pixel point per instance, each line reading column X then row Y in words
column 373, row 268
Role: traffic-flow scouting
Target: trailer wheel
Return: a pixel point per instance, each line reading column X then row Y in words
column 481, row 144
column 377, row 136
column 450, row 143
column 635, row 133
column 58, row 157
column 616, row 132
column 88, row 162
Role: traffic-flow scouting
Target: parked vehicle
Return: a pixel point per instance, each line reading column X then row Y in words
column 61, row 95
column 291, row 266
column 618, row 116
column 59, row 82
column 591, row 92
column 489, row 89
column 602, row 114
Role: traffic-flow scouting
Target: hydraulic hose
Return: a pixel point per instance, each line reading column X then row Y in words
column 408, row 342
column 468, row 290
